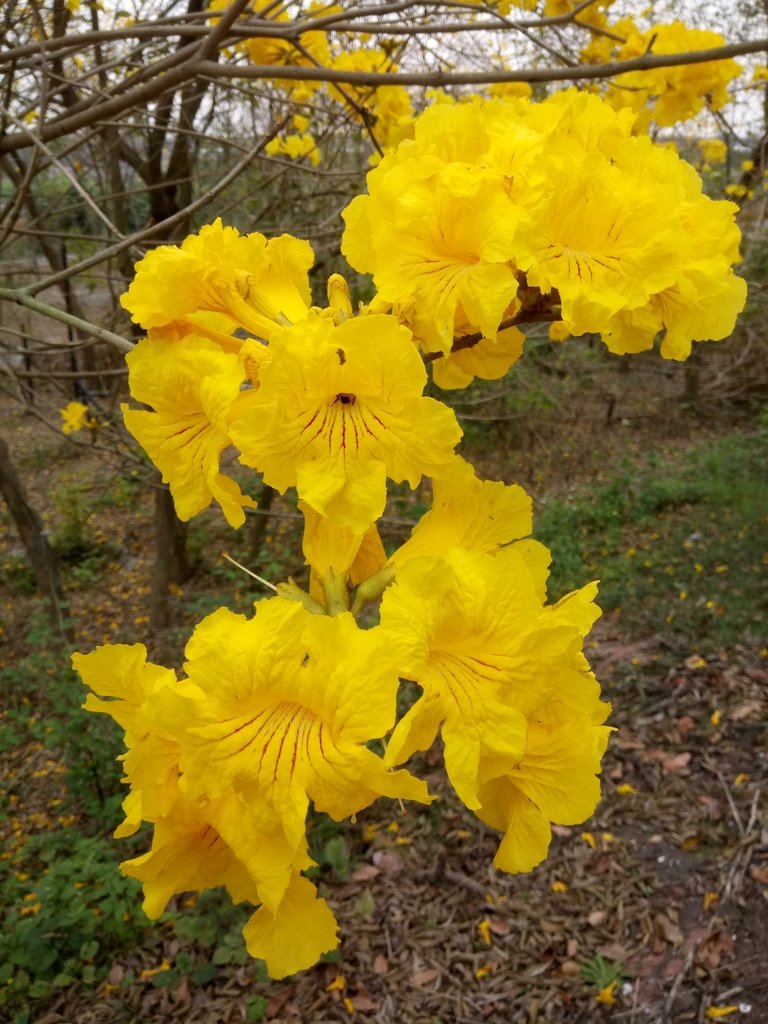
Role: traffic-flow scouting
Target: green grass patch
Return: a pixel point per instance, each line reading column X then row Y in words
column 680, row 547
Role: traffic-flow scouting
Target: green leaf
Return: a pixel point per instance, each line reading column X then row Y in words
column 88, row 950
column 364, row 904
column 204, row 973
column 62, row 980
column 255, row 1009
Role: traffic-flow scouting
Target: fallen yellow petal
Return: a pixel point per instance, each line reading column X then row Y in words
column 606, row 995
column 715, row 1012
column 151, row 972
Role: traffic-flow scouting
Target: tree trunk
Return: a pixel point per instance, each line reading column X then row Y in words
column 170, row 557
column 33, row 538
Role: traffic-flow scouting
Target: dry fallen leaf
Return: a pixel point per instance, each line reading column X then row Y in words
column 425, row 977
column 675, row 764
column 612, row 951
column 388, row 861
column 364, row 873
column 750, row 709
column 499, row 926
column 363, row 1001
column 711, row 951
column 570, row 968
column 380, row 964
column 667, row 929
column 684, row 725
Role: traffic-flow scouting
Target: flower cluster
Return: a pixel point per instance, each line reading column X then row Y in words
column 225, row 761
column 666, row 96
column 74, row 417
column 495, row 208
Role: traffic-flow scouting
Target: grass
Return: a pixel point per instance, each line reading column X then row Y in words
column 679, row 547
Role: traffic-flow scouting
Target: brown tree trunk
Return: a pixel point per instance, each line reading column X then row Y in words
column 33, row 538
column 170, row 557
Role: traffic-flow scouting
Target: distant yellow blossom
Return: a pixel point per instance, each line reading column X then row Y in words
column 75, row 417
column 714, row 151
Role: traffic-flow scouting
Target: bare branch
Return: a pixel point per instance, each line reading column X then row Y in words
column 22, row 298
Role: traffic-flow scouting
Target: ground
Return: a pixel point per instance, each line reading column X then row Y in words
column 664, row 891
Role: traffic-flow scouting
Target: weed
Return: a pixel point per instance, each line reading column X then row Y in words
column 600, row 973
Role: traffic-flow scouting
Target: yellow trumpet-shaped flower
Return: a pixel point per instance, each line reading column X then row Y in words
column 187, row 854
column 438, row 241
column 593, row 242
column 255, row 283
column 466, row 512
column 268, row 718
column 191, row 389
column 127, row 684
column 505, row 682
column 338, row 411
column 281, row 714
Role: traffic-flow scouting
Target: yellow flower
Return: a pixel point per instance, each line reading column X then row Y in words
column 187, row 854
column 339, row 552
column 122, row 674
column 714, row 151
column 254, row 283
column 268, row 718
column 677, row 93
column 152, row 971
column 338, row 411
column 558, row 331
column 74, row 417
column 504, row 680
column 489, row 359
column 438, row 240
column 275, row 684
column 295, row 147
column 296, row 935
column 191, row 389
column 481, row 515
column 594, row 243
